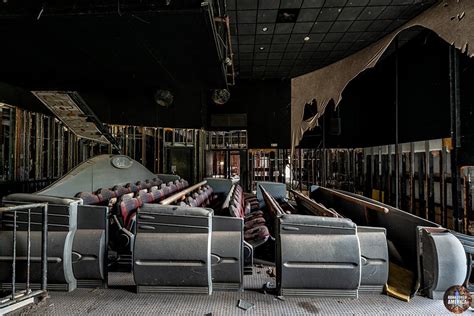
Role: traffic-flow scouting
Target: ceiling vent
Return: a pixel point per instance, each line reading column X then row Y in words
column 287, row 15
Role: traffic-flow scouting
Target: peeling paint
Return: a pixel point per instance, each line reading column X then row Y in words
column 452, row 20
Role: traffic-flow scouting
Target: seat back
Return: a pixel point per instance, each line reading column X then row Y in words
column 105, row 194
column 146, row 197
column 401, row 227
column 89, row 249
column 127, row 208
column 275, row 189
column 227, row 253
column 374, row 258
column 441, row 261
column 62, row 226
column 120, row 190
column 317, row 256
column 172, row 251
column 132, row 187
column 88, row 198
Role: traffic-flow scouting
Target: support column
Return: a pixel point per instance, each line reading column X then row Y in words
column 397, row 153
column 324, row 162
column 455, row 104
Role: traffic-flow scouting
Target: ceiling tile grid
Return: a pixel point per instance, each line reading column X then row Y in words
column 287, row 38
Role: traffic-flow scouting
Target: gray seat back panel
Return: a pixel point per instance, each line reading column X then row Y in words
column 442, row 261
column 173, row 247
column 89, row 249
column 374, row 254
column 317, row 257
column 227, row 252
column 62, row 225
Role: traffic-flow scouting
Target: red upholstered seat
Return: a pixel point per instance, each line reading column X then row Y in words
column 88, row 198
column 128, row 207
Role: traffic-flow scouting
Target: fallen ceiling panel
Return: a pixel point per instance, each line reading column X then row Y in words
column 63, row 106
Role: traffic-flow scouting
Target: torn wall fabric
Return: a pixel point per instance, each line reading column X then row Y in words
column 452, row 20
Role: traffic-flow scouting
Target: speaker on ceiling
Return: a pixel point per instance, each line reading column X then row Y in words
column 163, row 98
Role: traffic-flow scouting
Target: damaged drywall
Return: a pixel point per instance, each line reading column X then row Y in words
column 452, row 20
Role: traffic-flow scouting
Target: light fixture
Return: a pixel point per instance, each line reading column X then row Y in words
column 261, row 48
column 220, row 96
column 163, row 98
column 306, row 38
column 265, row 29
column 71, row 109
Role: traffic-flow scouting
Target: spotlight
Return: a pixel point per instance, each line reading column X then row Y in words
column 164, row 98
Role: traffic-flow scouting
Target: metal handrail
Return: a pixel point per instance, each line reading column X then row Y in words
column 275, row 208
column 360, row 202
column 18, row 298
column 320, row 209
column 181, row 194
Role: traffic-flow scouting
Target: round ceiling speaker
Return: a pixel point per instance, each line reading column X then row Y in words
column 220, row 96
column 164, row 98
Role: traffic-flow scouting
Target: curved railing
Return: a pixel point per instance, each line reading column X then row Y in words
column 181, row 194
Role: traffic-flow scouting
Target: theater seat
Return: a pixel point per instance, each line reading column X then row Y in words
column 132, row 187
column 120, row 190
column 254, row 222
column 374, row 259
column 105, row 195
column 127, row 208
column 166, row 190
column 146, row 197
column 317, row 256
column 255, row 231
column 172, row 250
column 62, row 226
column 143, row 185
column 88, row 198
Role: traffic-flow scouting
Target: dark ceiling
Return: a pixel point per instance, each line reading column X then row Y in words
column 268, row 36
column 79, row 45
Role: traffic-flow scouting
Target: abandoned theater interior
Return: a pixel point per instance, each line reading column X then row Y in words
column 221, row 157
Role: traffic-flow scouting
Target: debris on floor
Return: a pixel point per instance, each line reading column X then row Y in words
column 245, row 305
column 259, row 265
column 280, row 297
column 271, row 272
column 269, row 288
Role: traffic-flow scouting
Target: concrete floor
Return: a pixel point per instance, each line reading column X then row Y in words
column 121, row 300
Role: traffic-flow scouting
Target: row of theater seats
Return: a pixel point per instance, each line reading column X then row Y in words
column 432, row 254
column 246, row 208
column 125, row 200
column 78, row 232
column 327, row 256
column 104, row 196
column 201, row 197
column 187, row 249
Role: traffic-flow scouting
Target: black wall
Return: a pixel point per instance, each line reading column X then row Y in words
column 367, row 109
column 137, row 107
column 467, row 111
column 267, row 104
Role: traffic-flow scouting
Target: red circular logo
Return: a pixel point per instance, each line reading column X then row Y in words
column 457, row 299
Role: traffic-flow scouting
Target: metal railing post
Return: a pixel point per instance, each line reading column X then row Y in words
column 28, row 252
column 18, row 298
column 14, row 256
column 44, row 249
